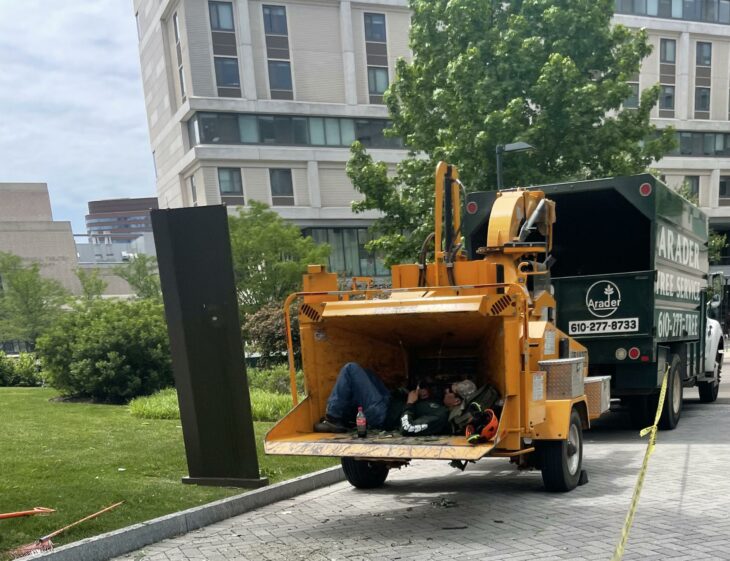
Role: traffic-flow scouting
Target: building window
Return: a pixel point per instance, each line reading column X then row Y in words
column 376, row 51
column 225, row 54
column 632, row 102
column 282, row 187
column 347, row 251
column 702, row 144
column 666, row 99
column 275, row 20
column 226, row 72
column 377, row 80
column 178, row 55
column 375, row 27
column 714, row 11
column 221, row 16
column 724, row 190
column 277, row 52
column 193, row 191
column 704, row 54
column 288, row 130
column 230, row 185
column 668, row 51
column 693, row 185
column 280, row 76
column 702, row 99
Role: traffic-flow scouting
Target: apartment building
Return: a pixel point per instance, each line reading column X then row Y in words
column 691, row 62
column 251, row 100
column 260, row 100
column 119, row 220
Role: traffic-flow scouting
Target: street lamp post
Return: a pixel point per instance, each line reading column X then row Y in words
column 504, row 148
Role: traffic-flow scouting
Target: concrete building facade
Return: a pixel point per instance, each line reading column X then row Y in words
column 251, row 100
column 260, row 100
column 27, row 229
column 691, row 62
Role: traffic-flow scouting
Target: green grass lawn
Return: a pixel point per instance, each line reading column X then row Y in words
column 78, row 458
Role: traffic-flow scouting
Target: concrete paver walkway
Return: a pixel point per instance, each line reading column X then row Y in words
column 492, row 511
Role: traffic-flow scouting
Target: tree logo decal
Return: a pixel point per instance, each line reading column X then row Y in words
column 603, row 299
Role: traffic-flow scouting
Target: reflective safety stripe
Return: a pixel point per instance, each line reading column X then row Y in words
column 408, row 427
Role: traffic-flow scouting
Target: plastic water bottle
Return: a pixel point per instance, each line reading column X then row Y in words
column 362, row 424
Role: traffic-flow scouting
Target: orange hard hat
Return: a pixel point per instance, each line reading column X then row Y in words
column 490, row 428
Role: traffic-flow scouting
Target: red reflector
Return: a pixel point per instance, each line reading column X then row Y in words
column 645, row 189
column 472, row 207
column 634, row 353
column 644, row 358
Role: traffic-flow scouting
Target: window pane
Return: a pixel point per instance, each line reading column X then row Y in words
column 640, row 7
column 666, row 100
column 248, row 128
column 685, row 143
column 704, row 54
column 337, row 256
column 316, row 131
column 692, row 9
column 375, row 27
column 724, row 186
column 279, row 75
column 229, row 180
column 226, row 72
column 724, row 11
column 352, row 251
column 332, row 126
column 709, row 10
column 347, row 126
column 221, row 16
column 632, row 101
column 300, row 130
column 677, row 9
column 276, row 130
column 652, row 7
column 702, row 99
column 281, row 183
column 275, row 20
column 708, row 144
column 668, row 49
column 377, row 80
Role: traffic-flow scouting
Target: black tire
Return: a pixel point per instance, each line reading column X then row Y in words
column 365, row 474
column 709, row 390
column 672, row 410
column 560, row 469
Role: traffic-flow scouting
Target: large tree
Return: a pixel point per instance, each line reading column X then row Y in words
column 552, row 73
column 29, row 302
column 269, row 256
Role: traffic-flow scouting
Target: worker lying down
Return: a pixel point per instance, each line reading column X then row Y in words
column 418, row 412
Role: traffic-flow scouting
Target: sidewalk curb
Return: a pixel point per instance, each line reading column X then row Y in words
column 131, row 538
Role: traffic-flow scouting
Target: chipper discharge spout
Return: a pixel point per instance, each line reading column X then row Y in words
column 488, row 320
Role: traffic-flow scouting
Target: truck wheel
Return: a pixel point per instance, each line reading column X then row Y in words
column 561, row 461
column 672, row 409
column 364, row 474
column 709, row 390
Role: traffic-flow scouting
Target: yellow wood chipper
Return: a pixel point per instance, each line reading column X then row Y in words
column 491, row 320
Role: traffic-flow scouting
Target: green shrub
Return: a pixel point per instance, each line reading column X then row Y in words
column 110, row 351
column 274, row 379
column 20, row 371
column 265, row 406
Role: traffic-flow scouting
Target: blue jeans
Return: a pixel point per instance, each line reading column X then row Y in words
column 356, row 386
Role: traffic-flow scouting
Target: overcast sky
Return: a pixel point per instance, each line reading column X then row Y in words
column 71, row 102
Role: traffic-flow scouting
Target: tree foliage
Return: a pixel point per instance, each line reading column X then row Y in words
column 266, row 330
column 269, row 256
column 484, row 73
column 29, row 302
column 110, row 351
column 141, row 274
column 92, row 285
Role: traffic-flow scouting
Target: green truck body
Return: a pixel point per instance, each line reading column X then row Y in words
column 629, row 276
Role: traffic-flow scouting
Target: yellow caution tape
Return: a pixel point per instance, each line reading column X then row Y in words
column 651, row 431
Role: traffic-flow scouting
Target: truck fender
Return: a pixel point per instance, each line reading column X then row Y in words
column 713, row 339
column 557, row 418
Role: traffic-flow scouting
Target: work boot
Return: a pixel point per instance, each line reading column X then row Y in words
column 330, row 424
